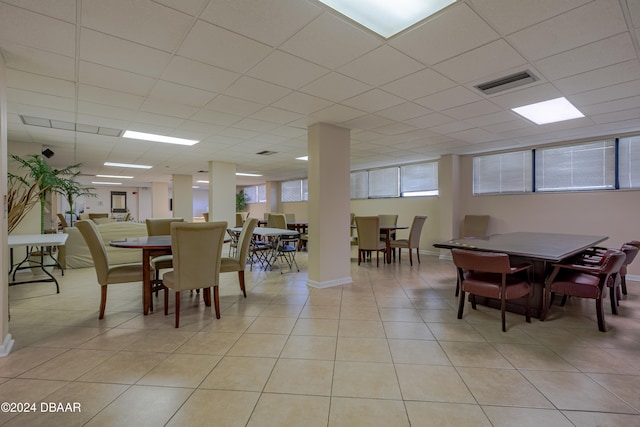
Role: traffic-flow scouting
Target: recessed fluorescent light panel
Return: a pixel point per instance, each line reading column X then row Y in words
column 158, row 138
column 114, row 176
column 303, row 158
column 201, row 181
column 106, row 183
column 387, row 17
column 551, row 111
column 247, row 174
column 127, row 165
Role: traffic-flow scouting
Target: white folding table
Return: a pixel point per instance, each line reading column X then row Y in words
column 40, row 241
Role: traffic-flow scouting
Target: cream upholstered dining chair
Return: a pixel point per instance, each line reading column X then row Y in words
column 413, row 241
column 276, row 220
column 475, row 226
column 239, row 219
column 106, row 274
column 489, row 274
column 197, row 253
column 239, row 261
column 161, row 227
column 369, row 237
column 387, row 220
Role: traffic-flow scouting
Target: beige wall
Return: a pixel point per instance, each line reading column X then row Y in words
column 608, row 213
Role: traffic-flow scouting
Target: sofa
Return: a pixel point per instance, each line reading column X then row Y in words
column 75, row 253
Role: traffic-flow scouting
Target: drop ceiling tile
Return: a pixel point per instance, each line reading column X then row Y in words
column 417, row 85
column 174, row 92
column 168, row 109
column 632, row 114
column 452, row 127
column 143, row 22
column 237, row 106
column 38, row 31
column 36, row 83
column 611, row 106
column 110, row 78
column 216, row 117
column 448, row 98
column 634, row 11
column 489, row 62
column 109, row 97
column 121, row 54
column 430, row 120
column 271, row 21
column 473, row 136
column 335, row 114
column 492, row 119
column 256, row 90
column 501, row 128
column 594, row 55
column 473, row 109
column 601, row 77
column 335, row 87
column 36, row 61
column 373, row 100
column 222, row 48
column 108, row 111
column 510, row 16
column 302, row 103
column 201, row 127
column 446, row 35
column 381, row 66
column 404, row 111
column 40, row 99
column 192, row 7
column 198, row 75
column 603, row 18
column 276, row 115
column 369, row 121
column 609, row 93
column 287, row 70
column 537, row 92
column 395, row 128
column 323, row 41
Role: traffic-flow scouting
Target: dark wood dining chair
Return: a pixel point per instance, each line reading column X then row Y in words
column 490, row 275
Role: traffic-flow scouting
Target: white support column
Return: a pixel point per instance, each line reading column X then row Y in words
column 329, row 243
column 449, row 199
column 222, row 192
column 182, row 196
column 160, row 199
column 6, row 342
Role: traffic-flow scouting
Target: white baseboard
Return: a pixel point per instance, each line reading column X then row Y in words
column 330, row 283
column 633, row 277
column 5, row 348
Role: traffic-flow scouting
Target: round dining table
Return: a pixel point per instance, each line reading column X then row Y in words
column 152, row 246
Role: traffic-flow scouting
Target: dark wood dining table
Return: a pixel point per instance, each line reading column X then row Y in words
column 152, row 246
column 538, row 249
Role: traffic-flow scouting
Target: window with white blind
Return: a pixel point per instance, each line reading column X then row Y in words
column 295, row 191
column 502, row 173
column 587, row 166
column 256, row 193
column 419, row 180
column 629, row 162
column 359, row 185
column 384, row 182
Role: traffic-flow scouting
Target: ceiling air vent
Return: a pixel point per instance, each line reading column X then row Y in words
column 509, row 82
column 266, row 153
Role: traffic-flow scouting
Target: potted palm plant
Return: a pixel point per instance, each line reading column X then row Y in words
column 71, row 189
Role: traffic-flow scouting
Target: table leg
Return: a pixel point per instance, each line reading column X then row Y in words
column 146, row 280
column 388, row 242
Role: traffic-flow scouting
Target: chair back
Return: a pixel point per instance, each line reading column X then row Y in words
column 612, row 261
column 416, row 230
column 98, row 215
column 160, row 226
column 239, row 219
column 290, row 218
column 475, row 226
column 277, row 221
column 196, row 249
column 631, row 251
column 96, row 247
column 488, row 262
column 388, row 220
column 244, row 240
column 368, row 228
column 63, row 220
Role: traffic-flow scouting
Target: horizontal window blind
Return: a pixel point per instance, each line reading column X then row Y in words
column 384, row 182
column 502, row 173
column 629, row 162
column 419, row 179
column 359, row 185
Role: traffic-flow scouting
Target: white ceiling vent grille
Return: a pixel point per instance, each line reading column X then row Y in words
column 508, row 82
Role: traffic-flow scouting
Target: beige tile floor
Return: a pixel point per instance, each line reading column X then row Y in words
column 386, row 350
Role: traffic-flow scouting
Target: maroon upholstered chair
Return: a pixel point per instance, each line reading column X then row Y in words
column 490, row 275
column 631, row 250
column 585, row 281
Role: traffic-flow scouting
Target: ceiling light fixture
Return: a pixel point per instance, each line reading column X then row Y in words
column 127, row 165
column 106, row 183
column 247, row 174
column 551, row 111
column 158, row 138
column 387, row 17
column 114, row 176
column 202, row 181
column 303, row 158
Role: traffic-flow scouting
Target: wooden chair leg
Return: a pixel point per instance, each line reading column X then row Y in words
column 410, row 257
column 418, row 254
column 103, row 301
column 614, row 300
column 359, row 255
column 527, row 308
column 378, row 258
column 600, row 313
column 461, row 305
column 623, row 284
column 503, row 309
column 206, row 296
column 177, row 308
column 166, row 301
column 241, row 281
column 216, row 301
